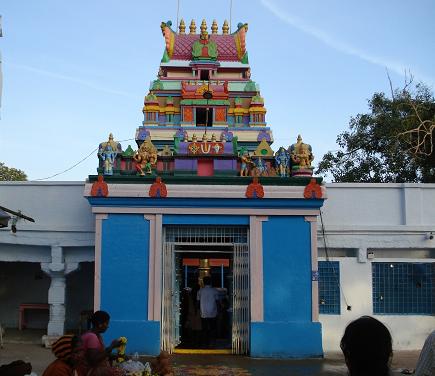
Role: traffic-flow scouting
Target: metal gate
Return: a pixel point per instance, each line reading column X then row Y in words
column 241, row 301
column 169, row 328
column 237, row 237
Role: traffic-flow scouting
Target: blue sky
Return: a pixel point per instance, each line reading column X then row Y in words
column 74, row 71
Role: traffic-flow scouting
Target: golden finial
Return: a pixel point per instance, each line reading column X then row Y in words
column 204, row 137
column 192, row 27
column 203, row 28
column 225, row 27
column 182, row 27
column 214, row 27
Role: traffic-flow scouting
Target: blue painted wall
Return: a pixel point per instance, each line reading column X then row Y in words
column 124, row 282
column 287, row 330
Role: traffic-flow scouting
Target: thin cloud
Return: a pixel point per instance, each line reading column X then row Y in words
column 336, row 44
column 71, row 79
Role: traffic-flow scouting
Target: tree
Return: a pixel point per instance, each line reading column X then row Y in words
column 11, row 174
column 391, row 143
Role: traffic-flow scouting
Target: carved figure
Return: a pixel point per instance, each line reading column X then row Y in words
column 246, row 163
column 107, row 152
column 301, row 154
column 260, row 167
column 282, row 159
column 145, row 158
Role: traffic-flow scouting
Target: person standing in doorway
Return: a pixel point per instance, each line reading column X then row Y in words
column 208, row 302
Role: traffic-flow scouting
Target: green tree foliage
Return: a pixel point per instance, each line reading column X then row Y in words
column 391, row 143
column 9, row 173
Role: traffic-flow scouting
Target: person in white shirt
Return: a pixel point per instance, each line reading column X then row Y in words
column 426, row 361
column 208, row 302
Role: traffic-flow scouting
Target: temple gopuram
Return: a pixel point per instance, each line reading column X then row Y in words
column 204, row 192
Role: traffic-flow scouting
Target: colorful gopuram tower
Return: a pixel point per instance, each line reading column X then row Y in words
column 204, row 187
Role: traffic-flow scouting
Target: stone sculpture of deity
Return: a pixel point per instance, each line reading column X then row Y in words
column 301, row 154
column 145, row 157
column 107, row 152
column 245, row 163
column 282, row 159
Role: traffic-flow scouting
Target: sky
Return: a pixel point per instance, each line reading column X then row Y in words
column 75, row 71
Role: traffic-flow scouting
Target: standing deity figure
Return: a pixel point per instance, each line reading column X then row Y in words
column 145, row 157
column 245, row 163
column 301, row 156
column 107, row 152
column 282, row 159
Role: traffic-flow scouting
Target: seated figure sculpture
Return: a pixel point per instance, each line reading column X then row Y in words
column 301, row 157
column 145, row 157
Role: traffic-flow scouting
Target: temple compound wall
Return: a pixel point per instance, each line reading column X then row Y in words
column 373, row 244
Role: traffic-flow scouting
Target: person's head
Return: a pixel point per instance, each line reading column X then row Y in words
column 100, row 321
column 207, row 280
column 367, row 347
column 69, row 349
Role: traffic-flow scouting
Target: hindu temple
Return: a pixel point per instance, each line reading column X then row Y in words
column 205, row 192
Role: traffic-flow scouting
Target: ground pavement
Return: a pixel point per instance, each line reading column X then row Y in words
column 220, row 365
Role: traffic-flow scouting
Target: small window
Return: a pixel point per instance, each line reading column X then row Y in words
column 203, row 117
column 403, row 288
column 205, row 75
column 329, row 287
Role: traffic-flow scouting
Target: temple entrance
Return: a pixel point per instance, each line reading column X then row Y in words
column 198, row 252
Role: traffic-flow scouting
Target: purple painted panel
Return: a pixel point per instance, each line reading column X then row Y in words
column 186, row 164
column 225, row 164
column 182, row 148
column 162, row 118
column 246, row 120
column 228, row 148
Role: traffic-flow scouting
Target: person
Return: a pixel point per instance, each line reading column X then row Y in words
column 367, row 347
column 208, row 298
column 426, row 361
column 97, row 356
column 69, row 354
column 16, row 368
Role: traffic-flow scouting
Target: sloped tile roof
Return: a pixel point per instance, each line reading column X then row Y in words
column 226, row 45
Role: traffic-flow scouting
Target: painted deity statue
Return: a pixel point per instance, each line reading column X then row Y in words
column 301, row 156
column 260, row 167
column 145, row 157
column 245, row 163
column 282, row 159
column 107, row 152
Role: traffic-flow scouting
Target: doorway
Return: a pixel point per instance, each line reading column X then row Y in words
column 194, row 265
column 204, row 117
column 190, row 254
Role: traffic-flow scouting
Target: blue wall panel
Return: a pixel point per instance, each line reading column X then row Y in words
column 124, row 281
column 287, row 269
column 286, row 339
column 287, row 330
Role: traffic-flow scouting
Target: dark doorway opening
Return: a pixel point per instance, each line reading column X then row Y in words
column 205, row 75
column 192, row 266
column 204, row 117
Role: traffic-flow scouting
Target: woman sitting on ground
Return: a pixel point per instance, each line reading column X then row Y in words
column 98, row 356
column 68, row 350
column 367, row 347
